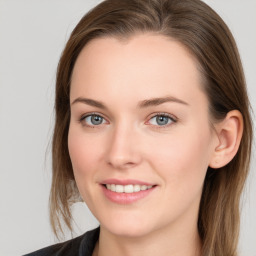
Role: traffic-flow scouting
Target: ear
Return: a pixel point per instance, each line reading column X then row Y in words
column 229, row 133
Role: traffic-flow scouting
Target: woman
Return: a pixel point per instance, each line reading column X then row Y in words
column 153, row 129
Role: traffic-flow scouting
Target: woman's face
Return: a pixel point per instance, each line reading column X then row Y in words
column 139, row 120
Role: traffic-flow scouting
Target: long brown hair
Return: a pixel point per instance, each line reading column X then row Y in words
column 206, row 36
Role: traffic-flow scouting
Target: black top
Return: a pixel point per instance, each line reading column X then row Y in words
column 80, row 246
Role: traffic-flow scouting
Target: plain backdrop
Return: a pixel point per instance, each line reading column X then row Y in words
column 32, row 36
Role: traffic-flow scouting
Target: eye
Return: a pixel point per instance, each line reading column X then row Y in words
column 162, row 120
column 93, row 120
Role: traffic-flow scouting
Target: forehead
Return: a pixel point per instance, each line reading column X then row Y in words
column 145, row 65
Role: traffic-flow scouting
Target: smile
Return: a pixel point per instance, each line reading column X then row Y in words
column 126, row 191
column 130, row 188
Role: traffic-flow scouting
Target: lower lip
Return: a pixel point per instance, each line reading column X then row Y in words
column 126, row 198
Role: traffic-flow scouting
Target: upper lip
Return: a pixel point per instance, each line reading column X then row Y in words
column 126, row 182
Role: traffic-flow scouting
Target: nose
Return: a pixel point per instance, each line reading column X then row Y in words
column 123, row 151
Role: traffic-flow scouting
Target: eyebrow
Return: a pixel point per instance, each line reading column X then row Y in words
column 159, row 101
column 141, row 104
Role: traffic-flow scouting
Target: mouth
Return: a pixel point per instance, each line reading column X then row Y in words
column 126, row 191
column 130, row 188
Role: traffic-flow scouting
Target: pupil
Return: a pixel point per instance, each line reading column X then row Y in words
column 162, row 120
column 96, row 120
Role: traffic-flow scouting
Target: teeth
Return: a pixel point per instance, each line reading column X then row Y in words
column 119, row 188
column 136, row 188
column 113, row 187
column 127, row 188
column 143, row 187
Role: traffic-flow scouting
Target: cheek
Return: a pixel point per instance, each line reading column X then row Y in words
column 84, row 153
column 182, row 159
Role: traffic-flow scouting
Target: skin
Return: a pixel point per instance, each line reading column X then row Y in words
column 130, row 144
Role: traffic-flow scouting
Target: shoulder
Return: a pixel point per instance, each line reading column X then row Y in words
column 81, row 245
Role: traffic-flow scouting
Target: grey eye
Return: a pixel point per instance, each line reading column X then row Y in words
column 94, row 120
column 161, row 120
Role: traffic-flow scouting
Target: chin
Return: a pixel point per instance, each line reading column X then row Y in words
column 128, row 227
column 128, row 231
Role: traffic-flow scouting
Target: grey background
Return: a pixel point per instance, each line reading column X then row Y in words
column 32, row 36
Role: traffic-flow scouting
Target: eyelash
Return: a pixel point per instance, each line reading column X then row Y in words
column 171, row 117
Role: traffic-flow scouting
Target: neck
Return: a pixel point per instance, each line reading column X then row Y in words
column 164, row 242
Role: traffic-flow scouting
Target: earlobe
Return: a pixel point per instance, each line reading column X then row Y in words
column 229, row 132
